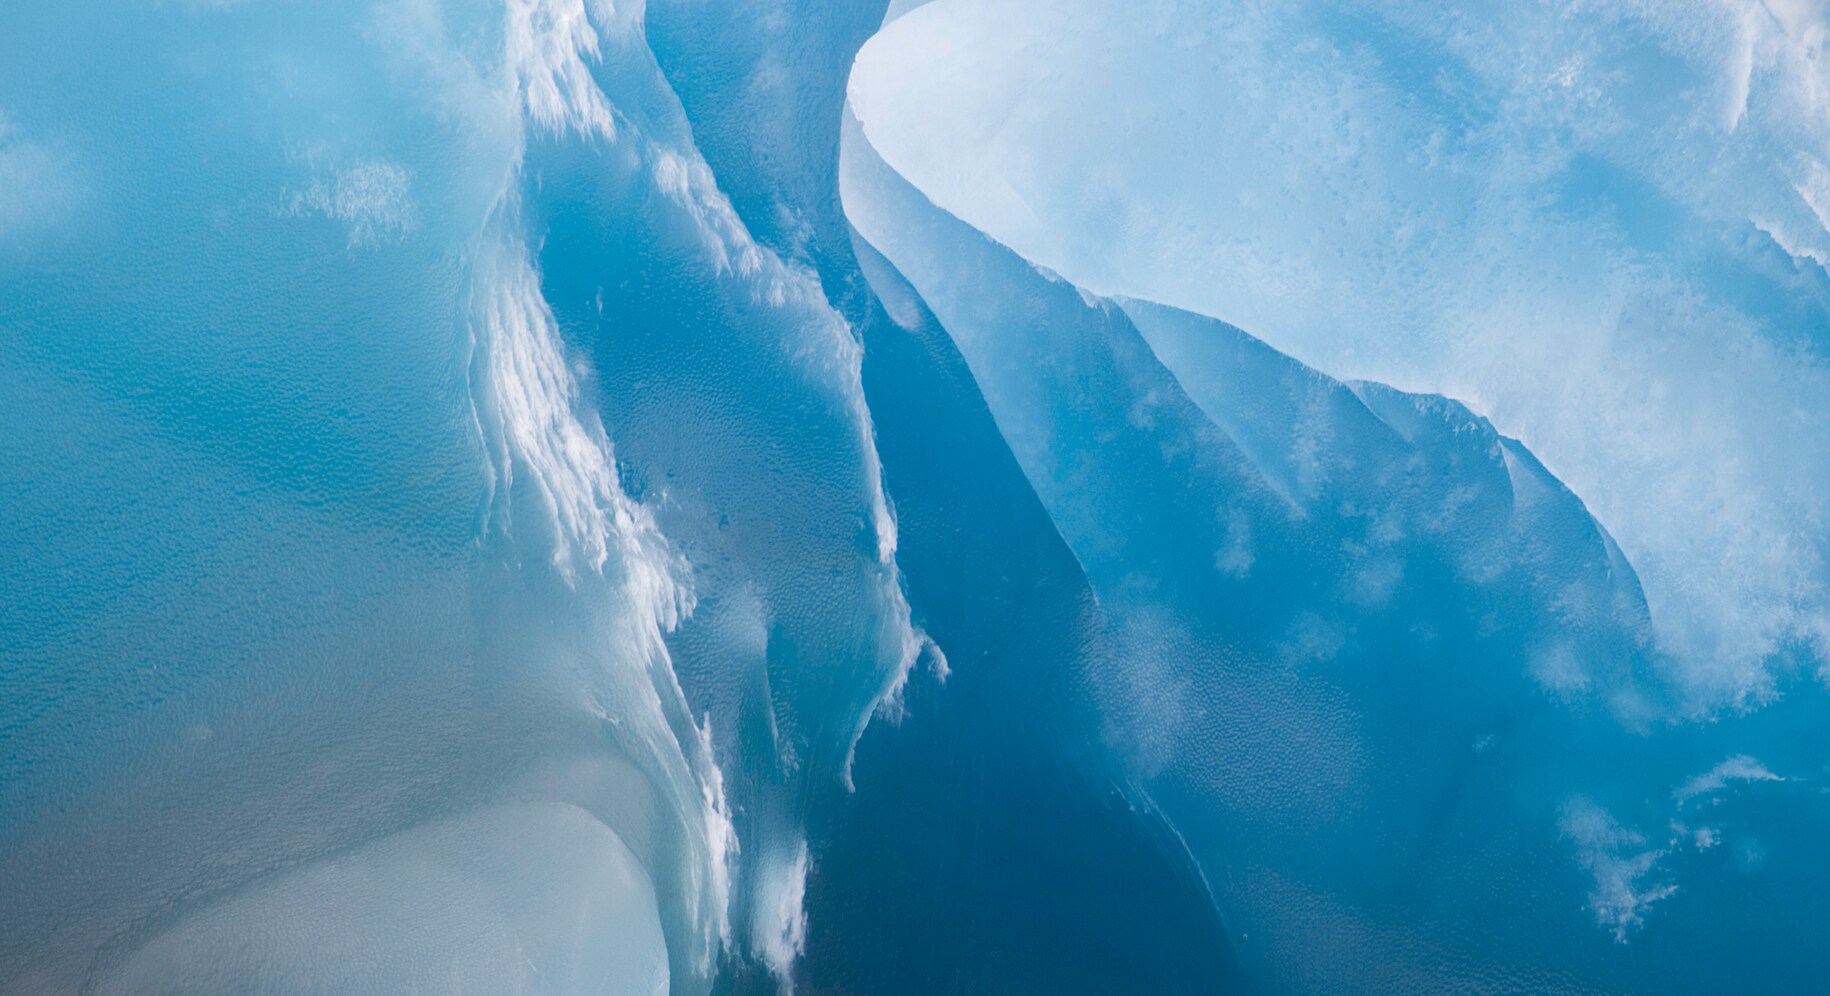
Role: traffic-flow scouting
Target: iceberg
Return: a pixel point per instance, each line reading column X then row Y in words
column 565, row 496
column 1594, row 223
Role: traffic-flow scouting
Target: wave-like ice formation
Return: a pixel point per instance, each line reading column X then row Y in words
column 568, row 496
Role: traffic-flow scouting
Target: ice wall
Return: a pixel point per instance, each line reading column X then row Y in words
column 1592, row 222
column 329, row 609
column 1390, row 680
column 394, row 276
column 520, row 495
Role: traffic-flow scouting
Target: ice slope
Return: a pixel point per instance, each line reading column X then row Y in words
column 734, row 388
column 1387, row 676
column 571, row 271
column 412, row 585
column 1599, row 223
column 328, row 615
column 927, row 878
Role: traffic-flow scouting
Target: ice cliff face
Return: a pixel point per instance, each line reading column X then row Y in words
column 522, row 496
column 1600, row 223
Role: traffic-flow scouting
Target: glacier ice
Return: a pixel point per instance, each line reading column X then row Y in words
column 692, row 496
column 1599, row 222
